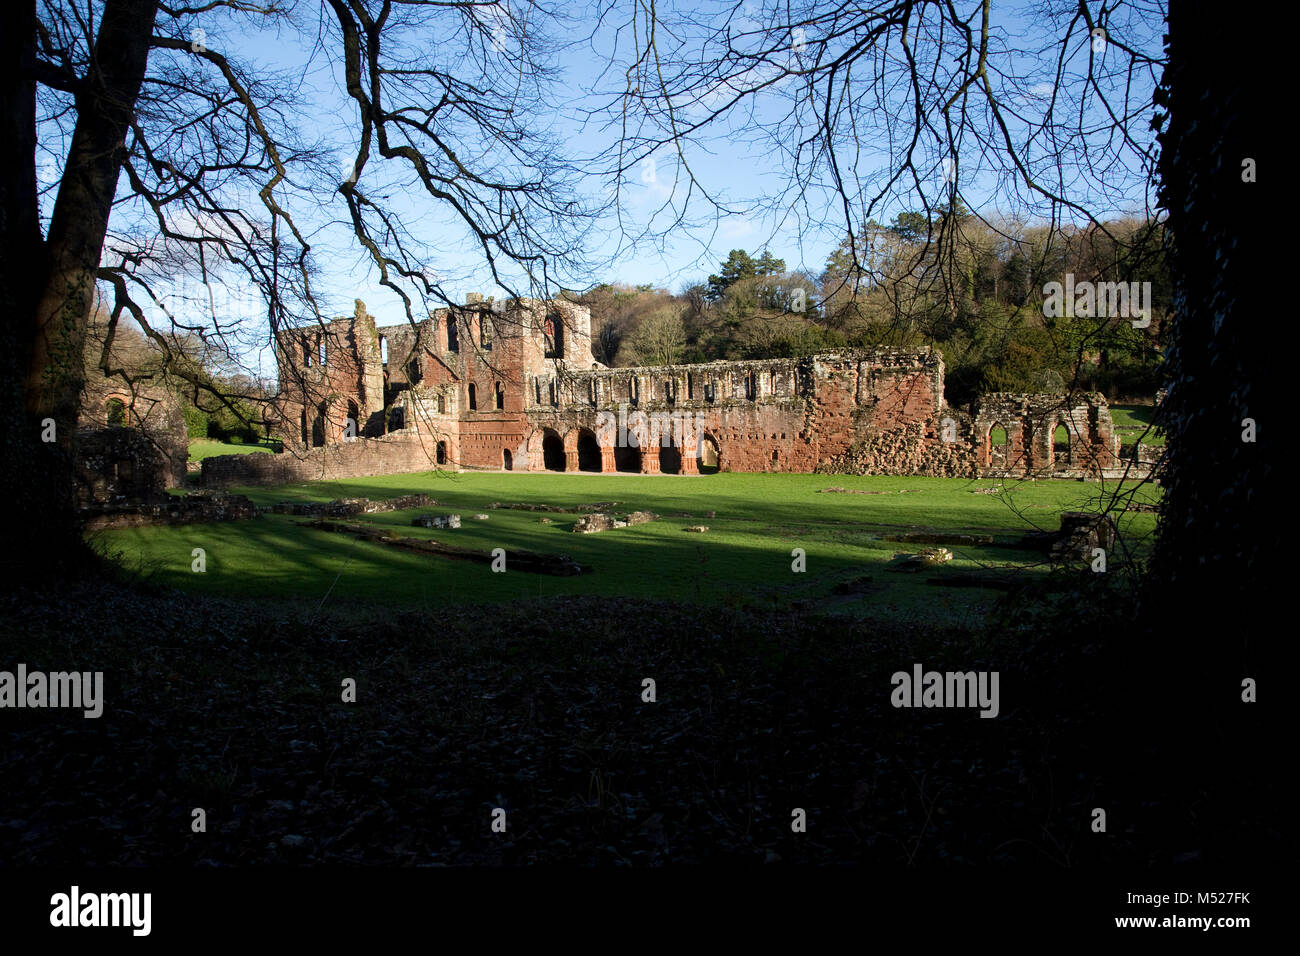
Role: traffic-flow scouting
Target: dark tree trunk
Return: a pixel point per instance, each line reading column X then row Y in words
column 1214, row 535
column 49, row 286
column 1206, row 609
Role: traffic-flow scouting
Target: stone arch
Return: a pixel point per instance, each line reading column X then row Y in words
column 710, row 455
column 115, row 412
column 627, row 458
column 552, row 451
column 553, row 335
column 352, row 428
column 507, row 460
column 670, row 456
column 588, row 450
column 1061, row 440
column 997, row 446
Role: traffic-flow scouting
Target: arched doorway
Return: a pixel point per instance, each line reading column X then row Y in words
column 352, row 428
column 507, row 460
column 998, row 444
column 442, row 453
column 588, row 451
column 552, row 451
column 1061, row 446
column 710, row 456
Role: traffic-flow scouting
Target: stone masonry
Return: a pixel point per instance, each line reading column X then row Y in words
column 492, row 385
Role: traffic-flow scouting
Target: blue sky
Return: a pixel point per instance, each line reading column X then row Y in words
column 736, row 166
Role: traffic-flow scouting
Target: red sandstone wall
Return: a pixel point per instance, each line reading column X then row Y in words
column 350, row 459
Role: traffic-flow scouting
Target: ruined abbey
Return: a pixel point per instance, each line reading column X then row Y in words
column 513, row 386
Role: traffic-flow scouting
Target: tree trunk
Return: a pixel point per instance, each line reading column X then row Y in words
column 1215, row 534
column 1207, row 624
column 49, row 287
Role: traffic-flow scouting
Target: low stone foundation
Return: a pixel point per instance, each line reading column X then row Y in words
column 191, row 509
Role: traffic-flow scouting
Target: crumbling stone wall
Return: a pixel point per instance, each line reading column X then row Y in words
column 1031, row 421
column 493, row 385
column 119, row 464
column 149, row 409
column 456, row 377
column 354, row 459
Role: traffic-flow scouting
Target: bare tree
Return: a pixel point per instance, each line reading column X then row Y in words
column 170, row 154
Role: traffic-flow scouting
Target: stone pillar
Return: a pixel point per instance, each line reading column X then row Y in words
column 607, row 463
column 650, row 460
column 690, row 464
column 571, row 460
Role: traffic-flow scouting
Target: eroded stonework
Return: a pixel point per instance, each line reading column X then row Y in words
column 513, row 386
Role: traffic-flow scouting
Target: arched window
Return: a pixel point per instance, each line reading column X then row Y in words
column 500, row 397
column 473, row 397
column 553, row 336
column 453, row 341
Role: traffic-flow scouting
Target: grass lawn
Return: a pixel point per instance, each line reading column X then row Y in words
column 1132, row 423
column 201, row 448
column 744, row 560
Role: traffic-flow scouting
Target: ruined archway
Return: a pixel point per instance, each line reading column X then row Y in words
column 670, row 458
column 710, row 456
column 552, row 451
column 115, row 413
column 627, row 458
column 318, row 428
column 998, row 446
column 588, row 451
column 1061, row 446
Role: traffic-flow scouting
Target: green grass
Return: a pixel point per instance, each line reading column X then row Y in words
column 201, row 448
column 744, row 559
column 1132, row 423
